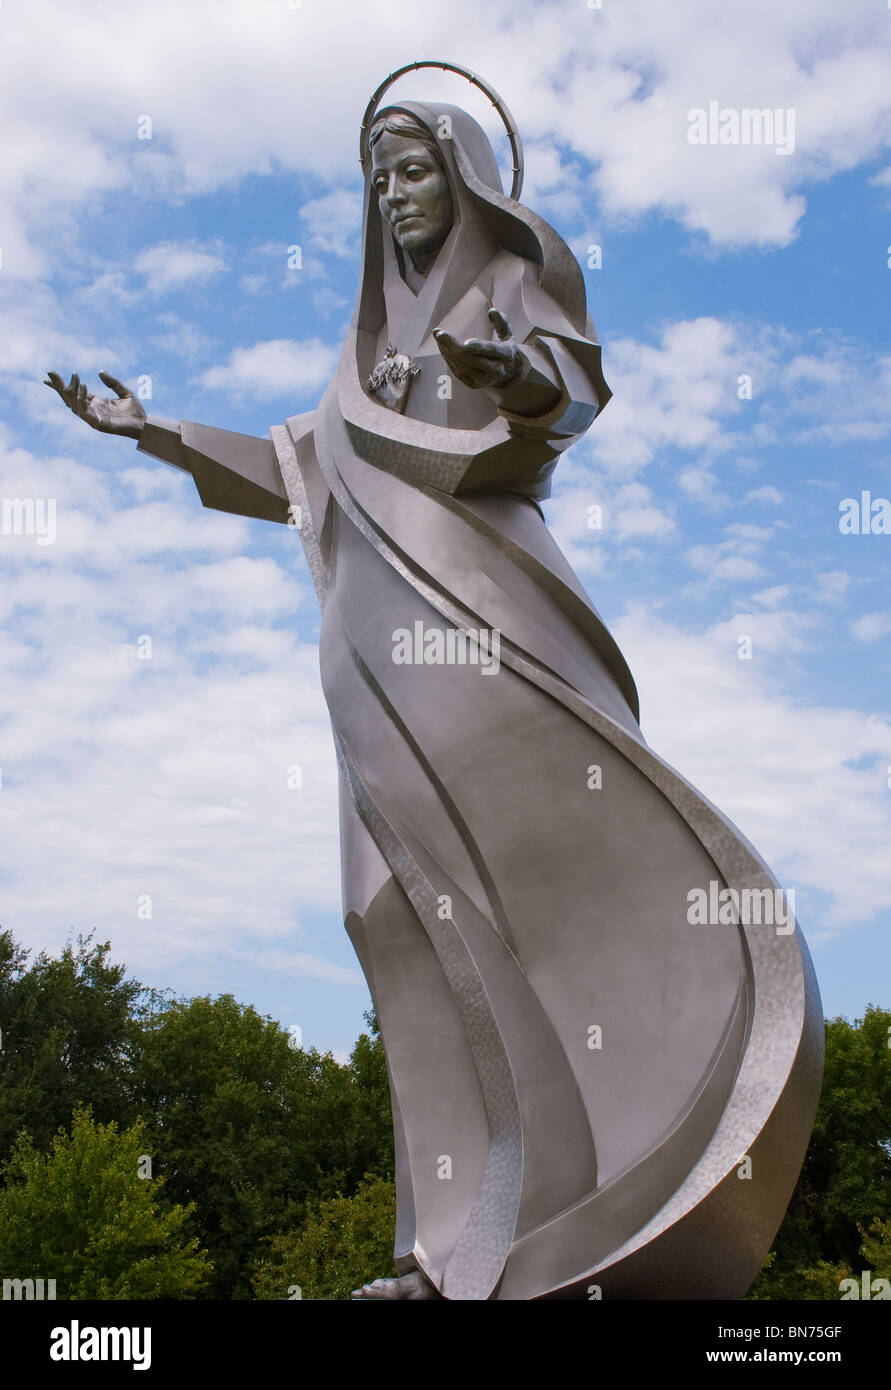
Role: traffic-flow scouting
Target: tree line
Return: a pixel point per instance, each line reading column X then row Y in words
column 161, row 1147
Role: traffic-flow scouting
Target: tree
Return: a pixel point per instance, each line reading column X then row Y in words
column 372, row 1120
column 252, row 1129
column 67, row 1027
column 876, row 1249
column 845, row 1183
column 344, row 1242
column 89, row 1216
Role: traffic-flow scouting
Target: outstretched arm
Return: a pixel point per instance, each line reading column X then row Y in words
column 540, row 385
column 235, row 473
column 517, row 378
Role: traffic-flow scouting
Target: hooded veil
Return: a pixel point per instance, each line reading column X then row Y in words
column 576, row 1070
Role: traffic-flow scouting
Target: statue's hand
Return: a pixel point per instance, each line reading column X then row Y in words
column 480, row 362
column 124, row 415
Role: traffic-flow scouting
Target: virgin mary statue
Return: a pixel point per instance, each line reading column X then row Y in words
column 600, row 1019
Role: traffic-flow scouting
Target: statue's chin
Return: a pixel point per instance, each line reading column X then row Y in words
column 421, row 252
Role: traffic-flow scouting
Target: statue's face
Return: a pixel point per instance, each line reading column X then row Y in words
column 413, row 194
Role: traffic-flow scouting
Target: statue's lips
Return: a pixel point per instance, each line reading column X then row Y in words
column 412, row 217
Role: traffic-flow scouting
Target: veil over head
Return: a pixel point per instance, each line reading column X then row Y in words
column 486, row 220
column 509, row 912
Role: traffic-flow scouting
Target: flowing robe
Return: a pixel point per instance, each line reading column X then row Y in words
column 576, row 1068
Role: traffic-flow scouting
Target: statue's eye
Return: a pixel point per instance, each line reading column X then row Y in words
column 415, row 172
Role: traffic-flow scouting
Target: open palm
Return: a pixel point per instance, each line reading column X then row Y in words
column 483, row 361
column 121, row 415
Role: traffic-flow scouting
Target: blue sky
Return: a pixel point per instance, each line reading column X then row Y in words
column 167, row 257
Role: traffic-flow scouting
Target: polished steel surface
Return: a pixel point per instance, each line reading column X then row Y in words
column 591, row 1091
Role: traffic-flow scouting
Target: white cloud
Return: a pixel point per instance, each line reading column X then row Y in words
column 677, row 393
column 701, row 485
column 778, row 631
column 871, row 626
column 635, row 515
column 717, row 565
column 270, row 267
column 769, row 495
column 169, row 264
column 333, row 222
column 738, row 556
column 37, row 335
column 804, row 56
column 835, row 396
column 612, row 86
column 302, row 963
column 807, row 784
column 709, row 450
column 180, row 338
column 832, row 586
column 552, row 185
column 773, row 597
column 327, row 302
column 165, row 776
column 272, row 369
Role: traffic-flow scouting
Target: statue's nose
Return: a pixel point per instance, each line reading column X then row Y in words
column 395, row 193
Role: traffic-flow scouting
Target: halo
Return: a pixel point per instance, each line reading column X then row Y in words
column 510, row 124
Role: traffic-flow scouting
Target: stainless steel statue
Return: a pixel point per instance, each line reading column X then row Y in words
column 596, row 1087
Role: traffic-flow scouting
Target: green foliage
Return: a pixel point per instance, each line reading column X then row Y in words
column 372, row 1118
column 67, row 1026
column 876, row 1249
column 83, row 1216
column 875, row 1256
column 344, row 1242
column 824, row 1280
column 248, row 1132
column 253, row 1130
column 277, row 1162
column 845, row 1183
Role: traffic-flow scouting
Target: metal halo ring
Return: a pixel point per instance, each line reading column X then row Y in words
column 510, row 124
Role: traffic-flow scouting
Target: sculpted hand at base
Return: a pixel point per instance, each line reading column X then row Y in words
column 481, row 362
column 123, row 415
column 414, row 1286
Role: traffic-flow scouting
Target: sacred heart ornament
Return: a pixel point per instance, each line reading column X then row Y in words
column 391, row 379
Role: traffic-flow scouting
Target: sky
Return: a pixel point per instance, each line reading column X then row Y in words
column 157, row 166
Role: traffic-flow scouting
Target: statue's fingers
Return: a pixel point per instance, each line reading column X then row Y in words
column 465, row 356
column 457, row 369
column 450, row 352
column 55, row 381
column 466, row 375
column 445, row 341
column 114, row 385
column 81, row 405
column 484, row 347
column 462, row 365
column 499, row 323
